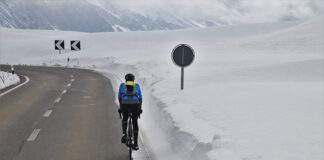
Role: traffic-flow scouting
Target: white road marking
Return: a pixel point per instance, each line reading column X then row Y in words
column 6, row 92
column 72, row 76
column 64, row 91
column 33, row 136
column 58, row 100
column 47, row 113
column 86, row 96
column 146, row 152
column 79, row 106
column 72, row 80
column 69, row 85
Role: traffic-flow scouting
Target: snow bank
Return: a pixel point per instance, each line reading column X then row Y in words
column 8, row 79
column 254, row 91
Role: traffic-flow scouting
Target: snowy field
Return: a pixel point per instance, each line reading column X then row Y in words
column 8, row 79
column 254, row 92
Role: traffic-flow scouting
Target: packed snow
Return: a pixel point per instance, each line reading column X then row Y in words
column 254, row 92
column 8, row 79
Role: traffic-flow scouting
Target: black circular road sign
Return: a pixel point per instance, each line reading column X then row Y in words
column 183, row 55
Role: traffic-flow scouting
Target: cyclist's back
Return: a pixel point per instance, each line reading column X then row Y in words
column 130, row 100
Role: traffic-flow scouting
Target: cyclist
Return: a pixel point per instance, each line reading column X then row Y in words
column 130, row 99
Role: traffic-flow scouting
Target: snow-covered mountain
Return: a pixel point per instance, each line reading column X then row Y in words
column 83, row 15
column 134, row 15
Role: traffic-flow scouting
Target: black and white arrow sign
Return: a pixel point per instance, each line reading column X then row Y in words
column 75, row 45
column 59, row 45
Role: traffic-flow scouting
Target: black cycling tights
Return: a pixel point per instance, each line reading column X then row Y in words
column 135, row 125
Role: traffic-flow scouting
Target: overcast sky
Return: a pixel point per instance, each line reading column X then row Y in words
column 235, row 11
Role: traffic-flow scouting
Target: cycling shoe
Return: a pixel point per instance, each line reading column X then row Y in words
column 123, row 139
column 135, row 147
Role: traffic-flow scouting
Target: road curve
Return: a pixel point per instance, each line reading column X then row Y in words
column 62, row 113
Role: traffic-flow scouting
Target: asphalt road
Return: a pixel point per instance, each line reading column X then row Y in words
column 60, row 114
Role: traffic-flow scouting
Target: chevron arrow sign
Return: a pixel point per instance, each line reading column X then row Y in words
column 59, row 44
column 75, row 45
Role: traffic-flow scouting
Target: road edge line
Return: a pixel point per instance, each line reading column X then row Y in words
column 10, row 90
column 147, row 148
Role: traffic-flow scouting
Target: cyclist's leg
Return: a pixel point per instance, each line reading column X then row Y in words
column 125, row 117
column 124, row 122
column 135, row 126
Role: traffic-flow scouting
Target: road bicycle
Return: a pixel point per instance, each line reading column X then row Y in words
column 130, row 134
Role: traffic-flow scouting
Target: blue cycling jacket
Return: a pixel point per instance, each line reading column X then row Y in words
column 126, row 99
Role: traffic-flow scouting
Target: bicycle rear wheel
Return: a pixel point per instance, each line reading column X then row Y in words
column 130, row 134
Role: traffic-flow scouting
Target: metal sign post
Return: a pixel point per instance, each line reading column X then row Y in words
column 182, row 77
column 182, row 55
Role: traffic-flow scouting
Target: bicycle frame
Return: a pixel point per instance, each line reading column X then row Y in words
column 130, row 134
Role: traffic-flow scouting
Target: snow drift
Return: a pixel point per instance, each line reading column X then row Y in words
column 8, row 79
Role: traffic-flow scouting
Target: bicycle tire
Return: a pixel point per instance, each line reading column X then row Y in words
column 130, row 134
column 130, row 153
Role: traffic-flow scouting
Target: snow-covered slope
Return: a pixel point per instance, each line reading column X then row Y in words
column 82, row 15
column 254, row 91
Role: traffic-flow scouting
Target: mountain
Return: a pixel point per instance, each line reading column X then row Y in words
column 140, row 15
column 84, row 16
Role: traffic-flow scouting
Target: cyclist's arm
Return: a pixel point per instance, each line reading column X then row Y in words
column 120, row 93
column 140, row 95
